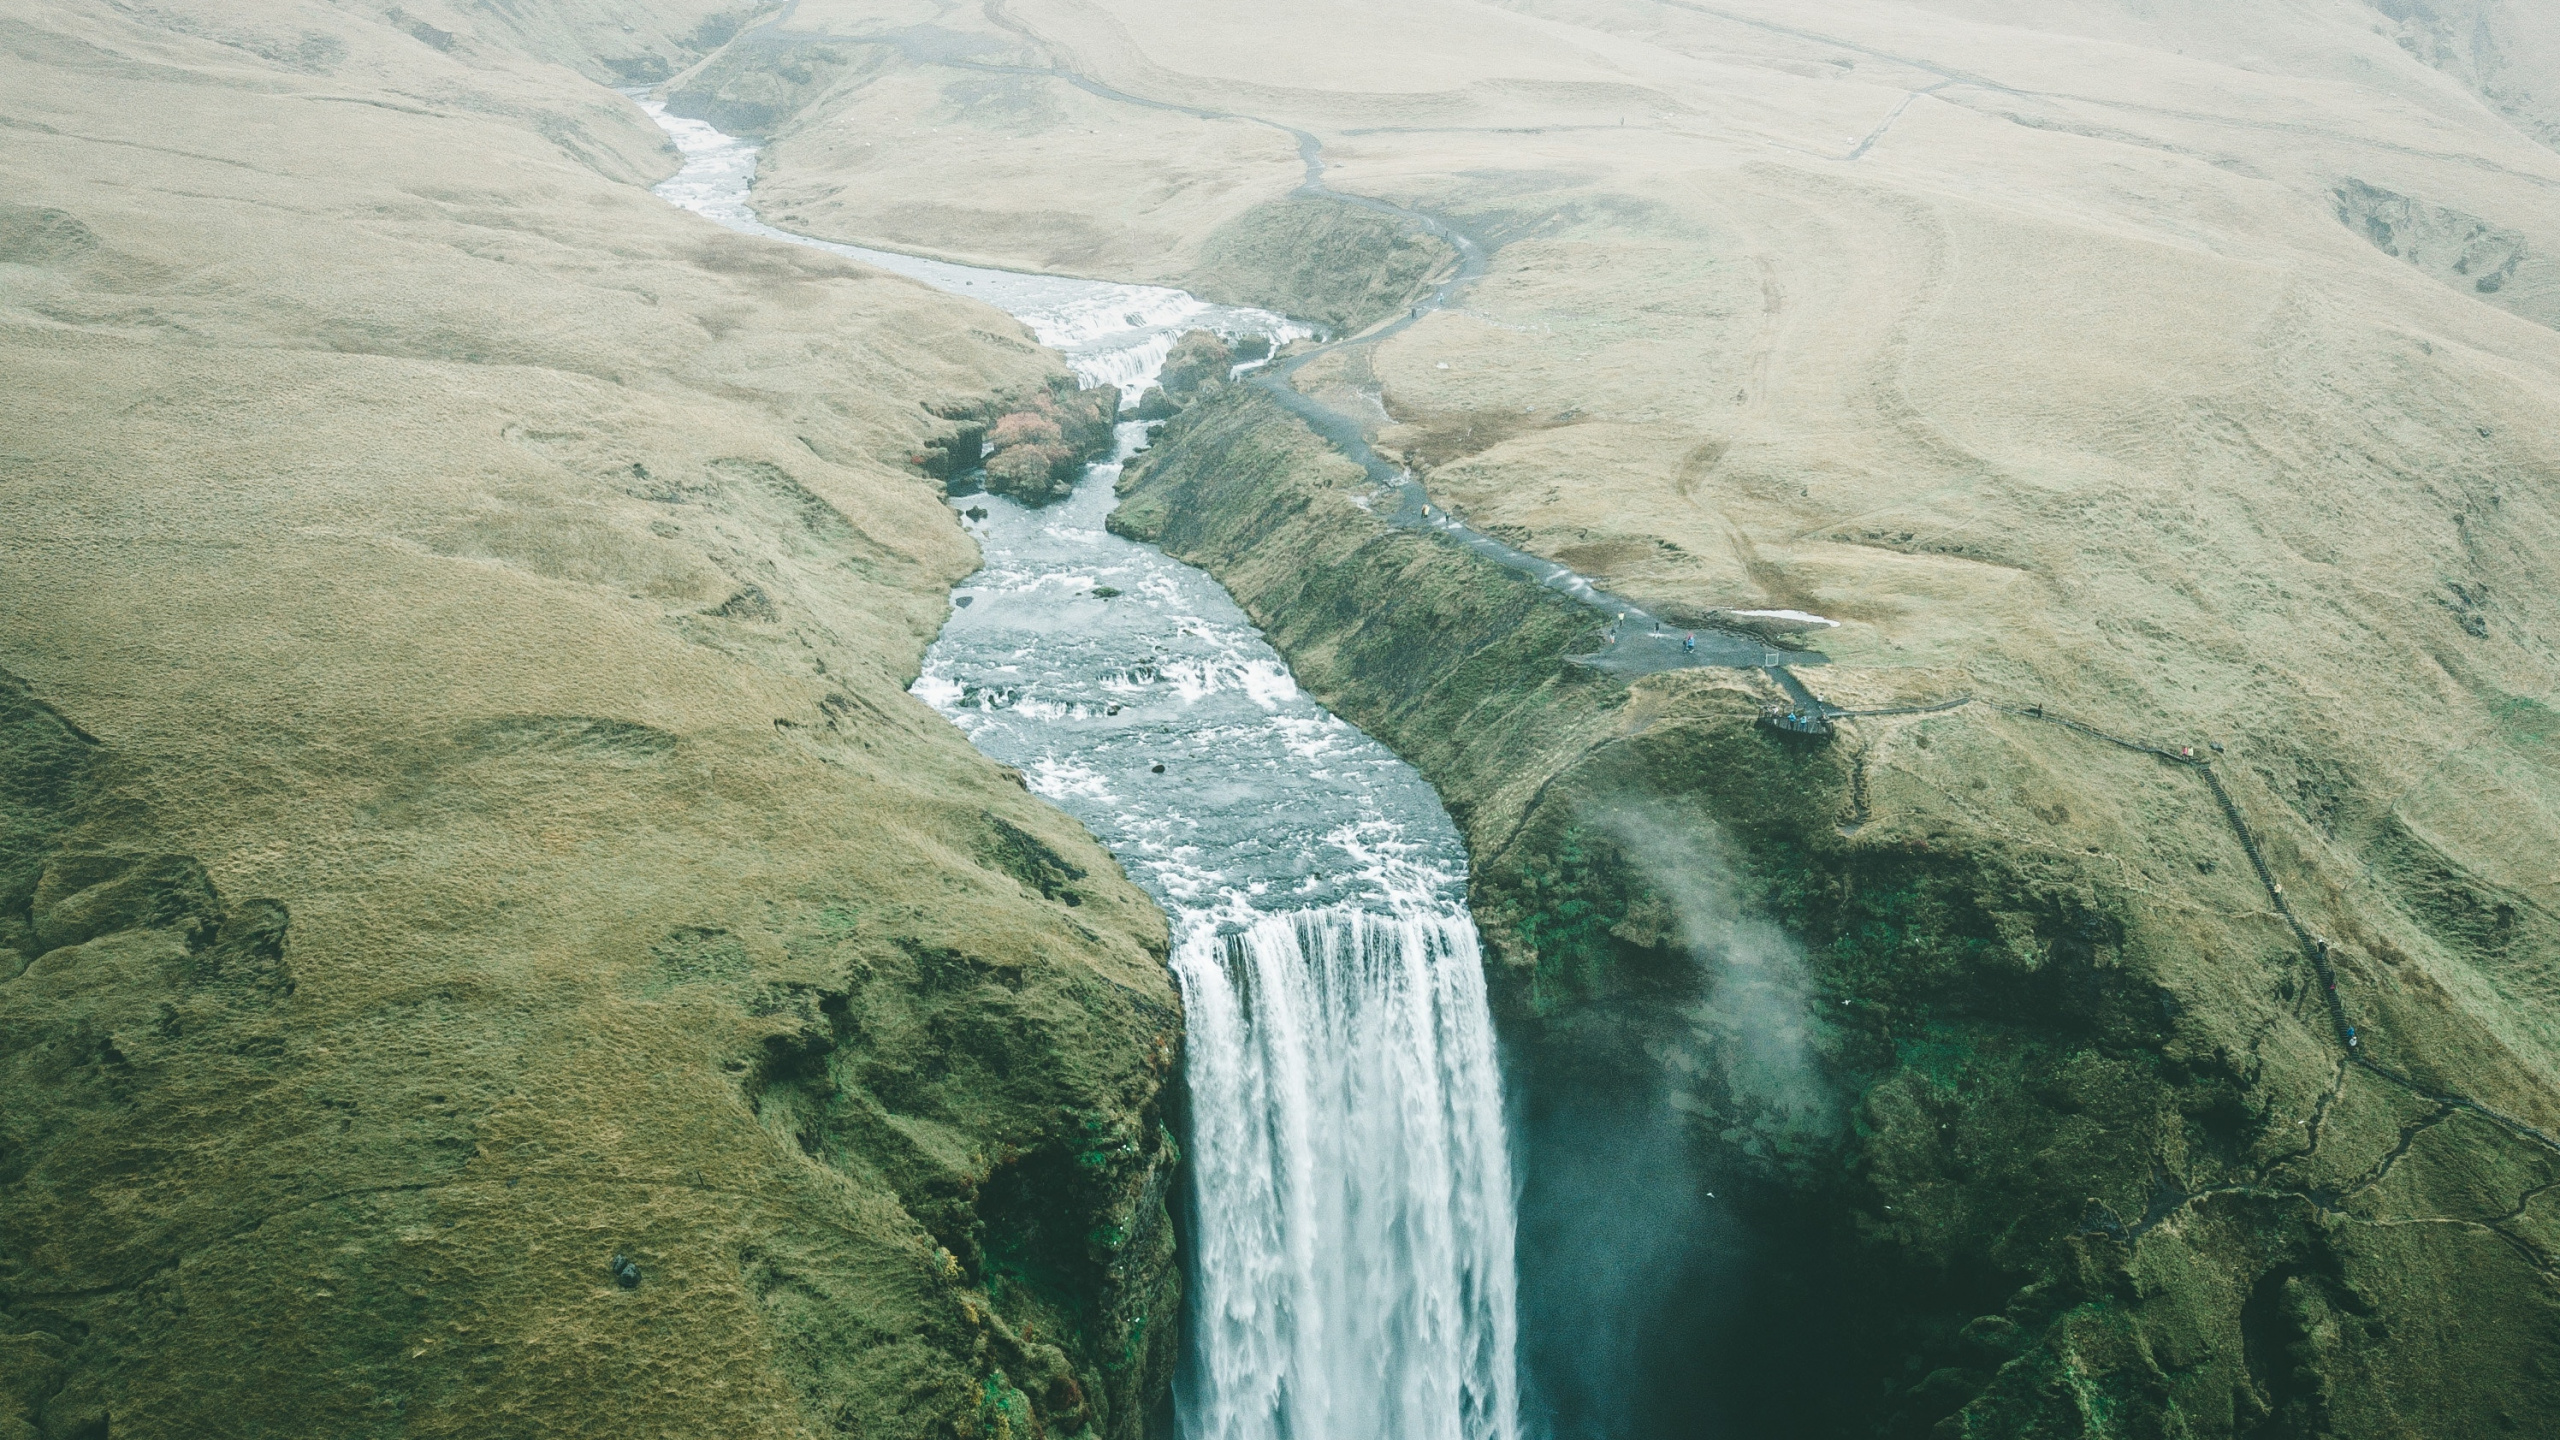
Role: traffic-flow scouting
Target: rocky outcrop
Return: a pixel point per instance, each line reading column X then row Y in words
column 2494, row 263
column 1036, row 447
column 1959, row 1077
column 1195, row 360
column 1200, row 358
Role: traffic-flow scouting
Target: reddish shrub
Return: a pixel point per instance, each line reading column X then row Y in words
column 1025, row 427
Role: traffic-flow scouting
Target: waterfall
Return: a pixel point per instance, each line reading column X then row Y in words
column 1351, row 1185
column 1352, row 1276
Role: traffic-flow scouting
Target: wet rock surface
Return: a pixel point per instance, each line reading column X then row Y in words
column 1036, row 451
column 1196, row 359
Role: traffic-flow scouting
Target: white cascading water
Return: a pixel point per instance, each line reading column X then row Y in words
column 1352, row 1271
column 1353, row 1242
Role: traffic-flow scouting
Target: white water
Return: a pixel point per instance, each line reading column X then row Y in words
column 1110, row 334
column 1352, row 1269
column 1348, row 1136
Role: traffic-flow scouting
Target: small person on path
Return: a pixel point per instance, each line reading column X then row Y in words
column 1690, row 645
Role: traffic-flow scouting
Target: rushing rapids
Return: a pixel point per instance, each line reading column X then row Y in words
column 1352, row 1269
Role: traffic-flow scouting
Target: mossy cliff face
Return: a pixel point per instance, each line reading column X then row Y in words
column 1952, row 1079
column 461, row 818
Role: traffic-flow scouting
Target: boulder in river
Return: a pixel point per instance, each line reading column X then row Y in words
column 1039, row 447
column 1197, row 358
column 1033, row 474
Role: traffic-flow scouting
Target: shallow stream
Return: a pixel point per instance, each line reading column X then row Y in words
column 1351, row 1271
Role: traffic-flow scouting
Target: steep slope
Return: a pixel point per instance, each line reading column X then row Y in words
column 2507, row 52
column 2134, row 362
column 1969, row 1058
column 460, row 819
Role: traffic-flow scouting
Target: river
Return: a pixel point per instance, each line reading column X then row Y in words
column 1351, row 1268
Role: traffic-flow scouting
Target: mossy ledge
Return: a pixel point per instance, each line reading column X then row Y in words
column 2003, row 1106
column 1342, row 265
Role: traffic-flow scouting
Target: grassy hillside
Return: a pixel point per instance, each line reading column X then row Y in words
column 460, row 816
